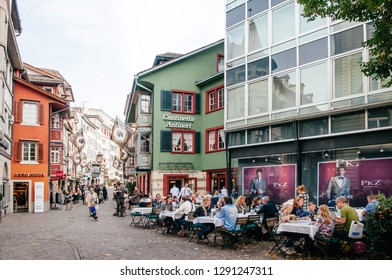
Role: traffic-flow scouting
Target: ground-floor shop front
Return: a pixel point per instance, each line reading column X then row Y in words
column 352, row 165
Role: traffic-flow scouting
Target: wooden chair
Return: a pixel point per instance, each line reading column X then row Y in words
column 231, row 237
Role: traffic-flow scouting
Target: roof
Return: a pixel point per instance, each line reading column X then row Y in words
column 177, row 167
column 163, row 58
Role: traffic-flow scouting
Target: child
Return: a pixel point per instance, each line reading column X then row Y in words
column 327, row 225
column 301, row 190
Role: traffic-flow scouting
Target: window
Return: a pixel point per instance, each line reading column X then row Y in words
column 236, row 138
column 380, row 117
column 257, row 6
column 258, row 135
column 235, row 102
column 348, row 75
column 258, row 68
column 347, row 40
column 220, row 63
column 182, row 142
column 348, row 122
column 314, row 85
column 182, row 102
column 145, row 103
column 283, row 23
column 313, row 127
column 235, row 42
column 55, row 121
column 282, row 132
column 55, row 155
column 235, row 75
column 215, row 140
column 283, row 91
column 284, row 60
column 313, row 51
column 215, row 98
column 29, row 152
column 258, row 97
column 30, row 113
column 235, row 15
column 258, row 33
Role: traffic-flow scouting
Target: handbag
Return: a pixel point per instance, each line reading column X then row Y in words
column 356, row 230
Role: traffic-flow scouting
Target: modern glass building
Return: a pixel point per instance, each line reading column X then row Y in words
column 299, row 107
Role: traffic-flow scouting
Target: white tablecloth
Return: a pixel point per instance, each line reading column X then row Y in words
column 218, row 222
column 299, row 227
column 142, row 210
column 170, row 214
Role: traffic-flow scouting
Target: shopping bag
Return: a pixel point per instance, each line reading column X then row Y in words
column 356, row 230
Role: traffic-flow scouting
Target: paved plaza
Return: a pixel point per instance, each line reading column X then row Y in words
column 73, row 235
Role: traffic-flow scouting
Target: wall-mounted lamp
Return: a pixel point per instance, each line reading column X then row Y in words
column 381, row 150
column 326, row 154
column 158, row 183
column 253, row 161
column 358, row 151
column 266, row 159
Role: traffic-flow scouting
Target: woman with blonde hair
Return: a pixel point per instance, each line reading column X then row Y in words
column 240, row 204
column 204, row 210
column 255, row 202
column 324, row 219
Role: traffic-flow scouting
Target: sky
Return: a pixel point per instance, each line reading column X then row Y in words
column 98, row 46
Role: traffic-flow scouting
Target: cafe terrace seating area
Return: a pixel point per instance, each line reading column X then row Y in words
column 249, row 231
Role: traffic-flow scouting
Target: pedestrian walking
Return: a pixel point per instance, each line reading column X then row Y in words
column 92, row 203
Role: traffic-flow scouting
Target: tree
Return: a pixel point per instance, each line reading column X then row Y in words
column 379, row 66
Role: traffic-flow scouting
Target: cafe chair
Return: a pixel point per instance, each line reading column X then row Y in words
column 278, row 238
column 151, row 219
column 136, row 219
column 231, row 237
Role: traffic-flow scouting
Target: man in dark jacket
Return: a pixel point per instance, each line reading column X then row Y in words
column 120, row 196
column 268, row 209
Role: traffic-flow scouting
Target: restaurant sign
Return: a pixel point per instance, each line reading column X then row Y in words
column 37, row 174
column 176, row 121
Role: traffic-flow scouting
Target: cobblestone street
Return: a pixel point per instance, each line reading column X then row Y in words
column 69, row 235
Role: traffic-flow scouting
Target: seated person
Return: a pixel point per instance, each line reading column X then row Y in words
column 241, row 204
column 311, row 211
column 268, row 209
column 184, row 209
column 286, row 215
column 204, row 210
column 229, row 213
column 324, row 219
column 347, row 215
column 156, row 202
column 371, row 206
column 255, row 203
column 297, row 206
column 167, row 205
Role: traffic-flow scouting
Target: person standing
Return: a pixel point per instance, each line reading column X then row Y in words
column 185, row 190
column 258, row 185
column 224, row 191
column 92, row 201
column 120, row 196
column 174, row 191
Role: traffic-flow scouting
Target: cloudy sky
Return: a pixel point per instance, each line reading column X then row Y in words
column 98, row 46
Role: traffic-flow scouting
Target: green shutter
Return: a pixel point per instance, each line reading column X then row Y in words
column 166, row 140
column 197, row 142
column 166, row 99
column 198, row 103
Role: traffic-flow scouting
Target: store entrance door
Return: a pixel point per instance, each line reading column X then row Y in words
column 21, row 197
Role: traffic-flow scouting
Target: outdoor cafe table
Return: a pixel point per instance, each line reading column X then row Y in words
column 303, row 227
column 142, row 210
column 170, row 214
column 218, row 222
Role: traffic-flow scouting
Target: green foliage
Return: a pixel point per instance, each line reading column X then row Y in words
column 131, row 187
column 378, row 228
column 379, row 66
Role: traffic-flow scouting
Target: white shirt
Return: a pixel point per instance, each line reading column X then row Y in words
column 185, row 191
column 175, row 191
column 185, row 208
column 224, row 192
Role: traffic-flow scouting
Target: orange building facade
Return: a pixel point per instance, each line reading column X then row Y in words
column 32, row 171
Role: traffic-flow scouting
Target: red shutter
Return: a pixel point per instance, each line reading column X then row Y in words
column 18, row 112
column 18, row 151
column 40, row 152
column 41, row 114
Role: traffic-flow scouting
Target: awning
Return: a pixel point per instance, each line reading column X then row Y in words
column 177, row 167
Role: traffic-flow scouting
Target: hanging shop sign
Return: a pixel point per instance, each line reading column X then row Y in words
column 177, row 121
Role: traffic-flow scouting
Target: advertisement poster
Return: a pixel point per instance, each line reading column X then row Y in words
column 38, row 197
column 280, row 181
column 355, row 179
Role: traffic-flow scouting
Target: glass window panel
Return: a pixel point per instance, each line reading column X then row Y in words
column 314, row 84
column 177, row 141
column 310, row 25
column 348, row 75
column 258, row 33
column 380, row 117
column 349, row 122
column 236, row 138
column 235, row 15
column 347, row 40
column 275, row 2
column 30, row 113
column 188, row 142
column 258, row 135
column 235, row 42
column 258, row 68
column 283, row 60
column 145, row 104
column 283, row 23
column 177, row 102
column 257, row 6
column 211, row 141
column 283, row 91
column 221, row 98
column 258, row 97
column 313, row 127
column 221, row 138
column 188, row 103
column 235, row 103
column 211, row 101
column 370, row 30
column 282, row 132
column 313, row 51
column 235, row 76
